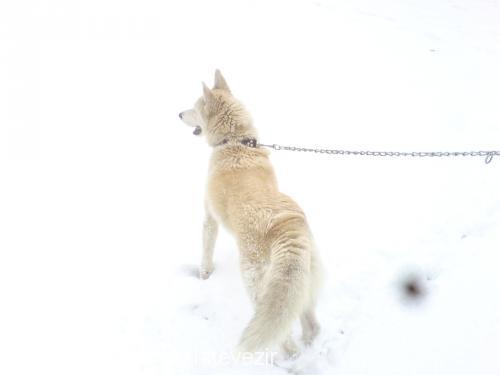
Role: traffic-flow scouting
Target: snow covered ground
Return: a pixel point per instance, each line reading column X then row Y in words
column 102, row 185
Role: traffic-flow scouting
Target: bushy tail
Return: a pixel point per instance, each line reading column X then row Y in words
column 285, row 295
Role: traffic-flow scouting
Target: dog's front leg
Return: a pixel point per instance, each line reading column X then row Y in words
column 210, row 229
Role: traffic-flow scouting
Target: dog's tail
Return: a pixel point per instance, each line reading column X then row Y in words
column 285, row 294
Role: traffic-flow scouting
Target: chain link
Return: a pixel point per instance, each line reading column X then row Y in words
column 488, row 155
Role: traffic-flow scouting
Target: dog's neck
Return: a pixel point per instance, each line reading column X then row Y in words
column 247, row 141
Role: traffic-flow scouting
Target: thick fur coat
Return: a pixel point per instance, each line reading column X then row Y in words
column 279, row 263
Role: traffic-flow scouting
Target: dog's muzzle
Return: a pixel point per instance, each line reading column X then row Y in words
column 197, row 129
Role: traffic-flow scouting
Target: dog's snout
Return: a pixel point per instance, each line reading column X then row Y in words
column 180, row 115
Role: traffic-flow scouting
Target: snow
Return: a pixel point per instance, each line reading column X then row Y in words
column 101, row 201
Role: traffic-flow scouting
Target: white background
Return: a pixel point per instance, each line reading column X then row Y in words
column 101, row 185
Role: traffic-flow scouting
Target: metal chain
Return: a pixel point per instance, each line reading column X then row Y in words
column 488, row 155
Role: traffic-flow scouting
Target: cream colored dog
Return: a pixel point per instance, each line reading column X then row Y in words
column 279, row 263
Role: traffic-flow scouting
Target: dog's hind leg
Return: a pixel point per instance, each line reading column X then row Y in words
column 310, row 326
column 210, row 230
column 252, row 274
column 308, row 321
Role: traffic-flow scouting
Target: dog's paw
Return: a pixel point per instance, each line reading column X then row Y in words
column 290, row 349
column 205, row 272
column 309, row 335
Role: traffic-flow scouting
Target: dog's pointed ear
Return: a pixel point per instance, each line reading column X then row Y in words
column 220, row 82
column 207, row 93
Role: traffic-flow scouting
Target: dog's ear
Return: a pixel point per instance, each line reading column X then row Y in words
column 207, row 93
column 220, row 82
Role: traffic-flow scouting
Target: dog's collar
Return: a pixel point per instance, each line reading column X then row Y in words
column 249, row 142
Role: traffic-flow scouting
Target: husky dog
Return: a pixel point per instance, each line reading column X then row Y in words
column 279, row 263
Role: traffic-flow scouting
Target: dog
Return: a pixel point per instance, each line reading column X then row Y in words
column 279, row 263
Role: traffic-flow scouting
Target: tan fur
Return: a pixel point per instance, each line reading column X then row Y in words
column 279, row 263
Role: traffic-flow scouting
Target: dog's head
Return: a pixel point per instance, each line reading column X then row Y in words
column 219, row 116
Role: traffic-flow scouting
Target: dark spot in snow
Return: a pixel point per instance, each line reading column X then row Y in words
column 413, row 288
